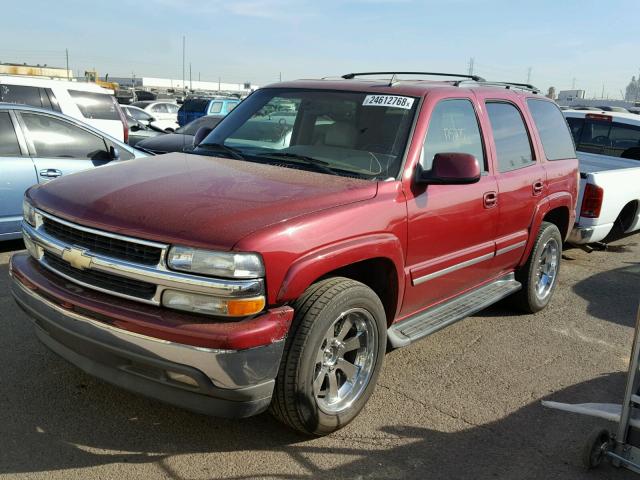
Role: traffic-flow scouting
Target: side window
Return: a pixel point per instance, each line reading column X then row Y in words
column 171, row 108
column 20, row 94
column 552, row 127
column 610, row 138
column 8, row 141
column 159, row 108
column 453, row 127
column 56, row 138
column 98, row 106
column 575, row 125
column 231, row 106
column 124, row 154
column 216, row 107
column 513, row 146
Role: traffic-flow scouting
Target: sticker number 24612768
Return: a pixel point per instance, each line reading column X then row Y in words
column 388, row 101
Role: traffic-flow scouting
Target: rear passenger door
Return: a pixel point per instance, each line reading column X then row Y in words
column 59, row 147
column 17, row 173
column 521, row 180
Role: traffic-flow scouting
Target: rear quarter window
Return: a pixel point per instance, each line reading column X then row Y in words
column 96, row 106
column 20, row 94
column 553, row 130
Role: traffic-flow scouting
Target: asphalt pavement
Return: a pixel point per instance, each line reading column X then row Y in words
column 461, row 404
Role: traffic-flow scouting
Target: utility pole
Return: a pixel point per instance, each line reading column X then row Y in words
column 573, row 85
column 183, row 49
column 190, row 81
column 66, row 50
column 602, row 96
column 219, row 80
column 529, row 75
column 198, row 76
column 280, row 76
column 471, row 65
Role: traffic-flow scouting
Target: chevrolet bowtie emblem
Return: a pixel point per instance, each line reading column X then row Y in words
column 76, row 258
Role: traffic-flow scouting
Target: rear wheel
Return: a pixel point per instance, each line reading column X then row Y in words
column 539, row 276
column 333, row 356
column 595, row 448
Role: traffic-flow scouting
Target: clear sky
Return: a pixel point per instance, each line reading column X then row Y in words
column 595, row 42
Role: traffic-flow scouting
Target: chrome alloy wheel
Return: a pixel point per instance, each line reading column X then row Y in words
column 345, row 360
column 547, row 268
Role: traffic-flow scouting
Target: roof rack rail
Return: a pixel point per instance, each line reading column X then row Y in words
column 350, row 76
column 521, row 86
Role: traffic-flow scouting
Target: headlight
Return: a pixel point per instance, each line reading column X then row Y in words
column 200, row 303
column 28, row 212
column 216, row 264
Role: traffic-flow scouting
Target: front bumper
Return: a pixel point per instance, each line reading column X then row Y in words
column 213, row 381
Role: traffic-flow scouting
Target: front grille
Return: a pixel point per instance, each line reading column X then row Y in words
column 106, row 281
column 100, row 244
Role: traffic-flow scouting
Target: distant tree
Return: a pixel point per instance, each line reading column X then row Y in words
column 551, row 93
column 633, row 90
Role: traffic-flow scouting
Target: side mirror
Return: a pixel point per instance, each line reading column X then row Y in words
column 451, row 169
column 201, row 134
column 136, row 127
column 114, row 153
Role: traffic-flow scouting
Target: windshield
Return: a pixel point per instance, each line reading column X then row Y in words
column 343, row 133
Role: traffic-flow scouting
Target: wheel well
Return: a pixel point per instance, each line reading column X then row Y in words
column 627, row 215
column 560, row 218
column 379, row 274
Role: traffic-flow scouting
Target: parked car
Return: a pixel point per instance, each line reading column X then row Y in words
column 182, row 138
column 165, row 113
column 256, row 273
column 37, row 145
column 87, row 102
column 608, row 146
column 194, row 108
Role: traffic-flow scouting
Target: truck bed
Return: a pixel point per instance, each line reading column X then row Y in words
column 594, row 163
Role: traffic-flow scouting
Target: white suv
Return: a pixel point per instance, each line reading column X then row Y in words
column 87, row 102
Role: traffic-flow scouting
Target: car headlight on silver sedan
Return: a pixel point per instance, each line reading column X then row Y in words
column 216, row 264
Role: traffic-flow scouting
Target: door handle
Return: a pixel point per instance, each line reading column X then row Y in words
column 50, row 173
column 538, row 186
column 490, row 199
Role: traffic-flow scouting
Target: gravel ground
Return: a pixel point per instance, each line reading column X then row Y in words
column 463, row 403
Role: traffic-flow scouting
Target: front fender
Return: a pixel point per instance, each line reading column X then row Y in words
column 317, row 263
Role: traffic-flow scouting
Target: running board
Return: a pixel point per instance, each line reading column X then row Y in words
column 425, row 323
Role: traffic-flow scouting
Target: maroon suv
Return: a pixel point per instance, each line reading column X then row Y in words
column 321, row 221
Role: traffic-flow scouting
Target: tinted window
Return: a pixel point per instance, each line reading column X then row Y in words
column 575, row 125
column 610, row 138
column 554, row 134
column 216, row 107
column 171, row 108
column 21, row 94
column 138, row 114
column 53, row 138
column 513, row 146
column 195, row 105
column 8, row 140
column 453, row 128
column 97, row 106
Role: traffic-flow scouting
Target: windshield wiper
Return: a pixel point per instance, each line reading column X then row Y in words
column 234, row 152
column 319, row 164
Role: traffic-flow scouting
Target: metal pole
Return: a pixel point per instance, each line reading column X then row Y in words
column 66, row 50
column 190, row 81
column 183, row 47
column 529, row 75
column 623, row 426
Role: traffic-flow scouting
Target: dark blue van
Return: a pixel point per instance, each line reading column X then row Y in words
column 193, row 108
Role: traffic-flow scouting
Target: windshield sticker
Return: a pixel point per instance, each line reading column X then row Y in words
column 388, row 101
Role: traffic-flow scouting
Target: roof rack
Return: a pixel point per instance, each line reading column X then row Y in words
column 394, row 75
column 507, row 85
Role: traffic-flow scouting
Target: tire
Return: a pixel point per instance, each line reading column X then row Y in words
column 536, row 291
column 317, row 349
column 595, row 448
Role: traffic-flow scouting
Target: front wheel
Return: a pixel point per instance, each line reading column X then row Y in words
column 333, row 356
column 539, row 276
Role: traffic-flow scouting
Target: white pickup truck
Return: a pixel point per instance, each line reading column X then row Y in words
column 608, row 147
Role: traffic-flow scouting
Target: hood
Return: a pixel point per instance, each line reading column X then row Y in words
column 193, row 200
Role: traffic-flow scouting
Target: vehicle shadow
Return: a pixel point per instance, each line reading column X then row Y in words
column 613, row 295
column 55, row 417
